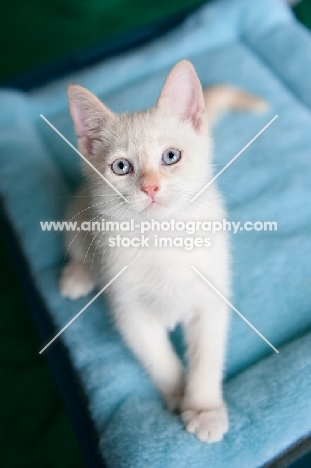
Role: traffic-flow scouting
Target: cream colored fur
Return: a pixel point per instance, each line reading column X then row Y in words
column 159, row 289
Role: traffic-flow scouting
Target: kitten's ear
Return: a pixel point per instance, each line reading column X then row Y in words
column 89, row 116
column 182, row 95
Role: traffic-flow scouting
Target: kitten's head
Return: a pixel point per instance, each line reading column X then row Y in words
column 158, row 158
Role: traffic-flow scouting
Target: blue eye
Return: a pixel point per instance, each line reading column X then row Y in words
column 171, row 156
column 121, row 166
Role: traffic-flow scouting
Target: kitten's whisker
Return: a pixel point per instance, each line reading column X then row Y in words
column 74, row 239
column 89, row 196
column 88, row 250
column 94, row 237
column 86, row 235
column 122, row 208
column 89, row 207
column 69, row 247
column 99, row 214
column 112, row 208
column 106, row 243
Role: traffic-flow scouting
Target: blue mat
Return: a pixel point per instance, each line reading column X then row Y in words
column 259, row 47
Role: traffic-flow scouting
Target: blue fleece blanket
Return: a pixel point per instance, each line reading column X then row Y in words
column 259, row 47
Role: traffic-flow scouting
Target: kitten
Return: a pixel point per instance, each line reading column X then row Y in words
column 159, row 159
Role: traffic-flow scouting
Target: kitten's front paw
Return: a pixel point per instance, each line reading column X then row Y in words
column 75, row 281
column 209, row 426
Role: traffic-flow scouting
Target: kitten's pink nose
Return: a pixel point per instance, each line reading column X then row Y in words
column 150, row 190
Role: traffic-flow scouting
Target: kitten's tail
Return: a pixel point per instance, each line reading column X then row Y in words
column 221, row 98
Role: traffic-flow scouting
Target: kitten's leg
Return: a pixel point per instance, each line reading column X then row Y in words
column 149, row 341
column 75, row 280
column 204, row 411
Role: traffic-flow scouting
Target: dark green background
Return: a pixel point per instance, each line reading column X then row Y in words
column 34, row 429
column 36, row 31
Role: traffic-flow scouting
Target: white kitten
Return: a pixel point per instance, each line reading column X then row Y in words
column 159, row 159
